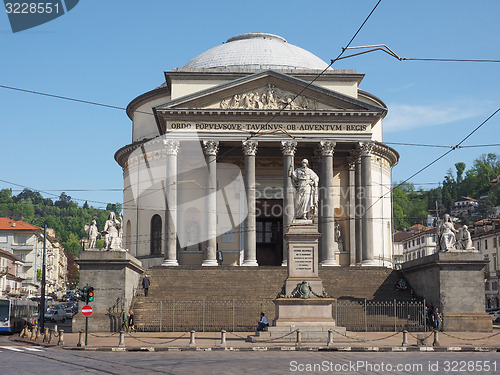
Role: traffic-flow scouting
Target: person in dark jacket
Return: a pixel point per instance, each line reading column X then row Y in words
column 145, row 284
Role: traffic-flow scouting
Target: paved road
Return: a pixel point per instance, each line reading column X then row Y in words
column 19, row 359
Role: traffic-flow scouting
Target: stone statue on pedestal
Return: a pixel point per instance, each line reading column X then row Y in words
column 446, row 235
column 93, row 233
column 112, row 233
column 464, row 240
column 306, row 191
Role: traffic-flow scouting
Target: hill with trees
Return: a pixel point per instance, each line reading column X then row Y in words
column 63, row 215
column 412, row 206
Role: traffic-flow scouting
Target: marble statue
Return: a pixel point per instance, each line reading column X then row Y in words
column 338, row 237
column 112, row 230
column 93, row 233
column 447, row 234
column 465, row 241
column 306, row 191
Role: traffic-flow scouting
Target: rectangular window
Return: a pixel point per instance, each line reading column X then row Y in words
column 485, row 244
column 413, row 243
column 494, row 285
column 21, row 240
column 3, row 238
column 494, row 242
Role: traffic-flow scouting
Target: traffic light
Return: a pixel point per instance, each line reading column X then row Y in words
column 90, row 294
column 83, row 293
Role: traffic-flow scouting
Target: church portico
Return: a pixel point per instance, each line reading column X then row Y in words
column 220, row 178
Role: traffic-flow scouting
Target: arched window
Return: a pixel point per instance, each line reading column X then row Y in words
column 156, row 235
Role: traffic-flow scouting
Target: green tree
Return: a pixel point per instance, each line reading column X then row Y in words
column 72, row 245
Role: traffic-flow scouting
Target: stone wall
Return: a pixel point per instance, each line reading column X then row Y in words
column 114, row 275
column 453, row 282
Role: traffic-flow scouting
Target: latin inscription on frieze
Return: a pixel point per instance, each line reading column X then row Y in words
column 253, row 127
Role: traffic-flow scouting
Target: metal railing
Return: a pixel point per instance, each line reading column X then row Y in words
column 242, row 315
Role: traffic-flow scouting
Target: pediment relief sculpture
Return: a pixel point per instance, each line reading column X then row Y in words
column 269, row 97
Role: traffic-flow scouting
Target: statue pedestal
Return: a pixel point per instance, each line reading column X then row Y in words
column 114, row 275
column 454, row 282
column 302, row 242
column 298, row 312
column 302, row 303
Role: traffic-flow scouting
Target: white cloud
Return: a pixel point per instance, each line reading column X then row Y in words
column 408, row 116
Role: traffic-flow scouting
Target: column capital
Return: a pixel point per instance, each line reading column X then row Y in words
column 210, row 147
column 366, row 148
column 171, row 146
column 288, row 147
column 327, row 147
column 249, row 147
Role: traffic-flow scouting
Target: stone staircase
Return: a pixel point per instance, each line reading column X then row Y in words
column 191, row 297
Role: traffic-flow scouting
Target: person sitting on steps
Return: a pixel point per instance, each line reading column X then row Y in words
column 263, row 322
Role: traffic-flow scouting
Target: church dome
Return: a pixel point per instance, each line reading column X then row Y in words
column 257, row 51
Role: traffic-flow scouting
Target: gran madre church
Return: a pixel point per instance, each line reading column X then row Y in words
column 207, row 174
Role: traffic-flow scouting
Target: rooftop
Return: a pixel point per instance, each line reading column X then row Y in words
column 9, row 224
column 257, row 50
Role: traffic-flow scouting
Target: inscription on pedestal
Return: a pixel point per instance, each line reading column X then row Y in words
column 303, row 259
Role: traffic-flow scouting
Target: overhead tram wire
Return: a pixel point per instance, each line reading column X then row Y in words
column 256, row 134
column 52, row 194
column 148, row 113
column 124, row 109
column 320, row 74
column 386, row 49
column 439, row 158
column 69, row 98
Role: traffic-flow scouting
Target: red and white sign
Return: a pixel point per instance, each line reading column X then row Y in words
column 87, row 310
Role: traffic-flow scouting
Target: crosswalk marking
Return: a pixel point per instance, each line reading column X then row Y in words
column 15, row 349
column 22, row 348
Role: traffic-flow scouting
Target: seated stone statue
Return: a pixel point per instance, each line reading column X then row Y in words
column 447, row 239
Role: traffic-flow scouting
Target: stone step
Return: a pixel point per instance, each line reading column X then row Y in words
column 256, row 286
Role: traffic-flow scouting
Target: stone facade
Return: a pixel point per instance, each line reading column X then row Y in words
column 25, row 241
column 206, row 177
column 453, row 282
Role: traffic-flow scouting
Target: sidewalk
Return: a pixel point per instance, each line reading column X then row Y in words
column 354, row 341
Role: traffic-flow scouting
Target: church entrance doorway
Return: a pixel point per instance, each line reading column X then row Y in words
column 269, row 241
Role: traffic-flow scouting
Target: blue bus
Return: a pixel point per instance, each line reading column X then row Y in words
column 16, row 313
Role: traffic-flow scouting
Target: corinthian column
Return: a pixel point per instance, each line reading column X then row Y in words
column 172, row 149
column 352, row 161
column 288, row 148
column 250, row 149
column 367, row 198
column 327, row 213
column 210, row 148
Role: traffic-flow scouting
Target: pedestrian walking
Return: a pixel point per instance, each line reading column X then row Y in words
column 131, row 325
column 436, row 318
column 145, row 284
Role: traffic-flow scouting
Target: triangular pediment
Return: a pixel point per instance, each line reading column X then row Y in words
column 269, row 91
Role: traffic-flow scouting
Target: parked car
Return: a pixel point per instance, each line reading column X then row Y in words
column 55, row 315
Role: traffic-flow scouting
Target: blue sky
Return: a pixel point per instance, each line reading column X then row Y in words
column 111, row 52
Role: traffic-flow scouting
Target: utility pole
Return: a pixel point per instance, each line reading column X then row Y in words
column 42, row 300
column 436, row 213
